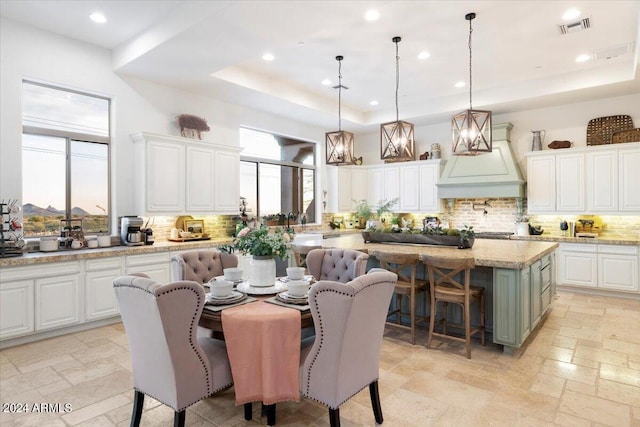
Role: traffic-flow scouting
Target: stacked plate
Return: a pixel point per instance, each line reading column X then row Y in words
column 308, row 278
column 232, row 298
column 290, row 299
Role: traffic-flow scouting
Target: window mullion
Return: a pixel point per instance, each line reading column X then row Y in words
column 68, row 178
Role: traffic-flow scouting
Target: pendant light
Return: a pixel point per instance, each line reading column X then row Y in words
column 396, row 138
column 339, row 144
column 471, row 129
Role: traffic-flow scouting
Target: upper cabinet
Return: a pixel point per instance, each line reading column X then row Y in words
column 587, row 180
column 180, row 176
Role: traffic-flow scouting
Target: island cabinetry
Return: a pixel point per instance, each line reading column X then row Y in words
column 99, row 295
column 157, row 266
column 38, row 298
column 175, row 175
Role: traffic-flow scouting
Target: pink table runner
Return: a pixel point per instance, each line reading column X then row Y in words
column 263, row 343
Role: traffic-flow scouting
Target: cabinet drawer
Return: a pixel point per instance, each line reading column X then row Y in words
column 134, row 260
column 579, row 247
column 546, row 277
column 44, row 270
column 618, row 249
column 102, row 263
column 546, row 261
column 545, row 299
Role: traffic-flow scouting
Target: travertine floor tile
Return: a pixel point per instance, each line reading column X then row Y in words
column 619, row 392
column 570, row 371
column 620, row 374
column 595, row 409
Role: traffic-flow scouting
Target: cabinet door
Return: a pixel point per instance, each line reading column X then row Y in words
column 618, row 272
column 602, row 181
column 376, row 186
column 57, row 301
column 344, row 190
column 429, row 200
column 541, row 184
column 629, row 177
column 200, row 172
column 570, row 187
column 359, row 187
column 16, row 308
column 578, row 269
column 165, row 177
column 100, row 297
column 226, row 182
column 410, row 185
column 392, row 184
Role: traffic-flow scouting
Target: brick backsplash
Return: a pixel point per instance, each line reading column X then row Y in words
column 613, row 225
column 215, row 225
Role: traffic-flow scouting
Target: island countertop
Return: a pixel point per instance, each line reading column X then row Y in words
column 511, row 254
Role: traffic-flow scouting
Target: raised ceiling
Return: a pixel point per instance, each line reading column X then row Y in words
column 214, row 48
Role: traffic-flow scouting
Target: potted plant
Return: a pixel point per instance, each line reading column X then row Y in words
column 522, row 225
column 467, row 237
column 366, row 213
column 263, row 245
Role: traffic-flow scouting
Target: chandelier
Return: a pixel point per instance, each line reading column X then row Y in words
column 339, row 144
column 471, row 128
column 396, row 138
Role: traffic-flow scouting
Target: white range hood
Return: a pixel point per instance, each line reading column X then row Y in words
column 494, row 174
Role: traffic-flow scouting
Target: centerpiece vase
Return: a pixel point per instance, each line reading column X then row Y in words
column 263, row 271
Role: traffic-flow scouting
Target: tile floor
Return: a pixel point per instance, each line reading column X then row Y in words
column 582, row 368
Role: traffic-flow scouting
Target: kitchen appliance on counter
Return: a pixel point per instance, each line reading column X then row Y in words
column 131, row 231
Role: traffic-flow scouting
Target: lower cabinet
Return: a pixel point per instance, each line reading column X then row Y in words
column 58, row 301
column 157, row 266
column 99, row 295
column 16, row 308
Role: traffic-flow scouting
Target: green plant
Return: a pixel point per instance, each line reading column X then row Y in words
column 363, row 210
column 385, row 206
column 263, row 242
column 467, row 232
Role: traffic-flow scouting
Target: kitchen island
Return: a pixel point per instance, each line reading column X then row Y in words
column 517, row 276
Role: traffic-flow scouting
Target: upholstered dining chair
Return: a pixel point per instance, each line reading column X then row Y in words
column 345, row 355
column 169, row 362
column 201, row 266
column 446, row 287
column 339, row 265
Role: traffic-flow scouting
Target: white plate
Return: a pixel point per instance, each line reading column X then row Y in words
column 235, row 282
column 307, row 277
column 258, row 290
column 286, row 295
column 233, row 294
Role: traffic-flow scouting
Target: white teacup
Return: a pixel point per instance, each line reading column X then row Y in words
column 295, row 273
column 232, row 274
column 220, row 288
column 298, row 288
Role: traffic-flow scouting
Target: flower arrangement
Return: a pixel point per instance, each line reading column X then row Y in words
column 263, row 242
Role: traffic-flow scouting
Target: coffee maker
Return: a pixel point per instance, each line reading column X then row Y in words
column 131, row 231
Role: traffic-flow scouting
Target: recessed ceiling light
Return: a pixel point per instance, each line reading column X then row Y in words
column 583, row 58
column 570, row 14
column 268, row 57
column 460, row 84
column 424, row 55
column 374, row 102
column 300, row 43
column 326, row 82
column 372, row 15
column 98, row 18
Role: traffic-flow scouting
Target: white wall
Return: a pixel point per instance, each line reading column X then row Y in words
column 26, row 52
column 565, row 122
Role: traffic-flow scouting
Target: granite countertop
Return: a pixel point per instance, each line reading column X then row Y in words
column 486, row 252
column 606, row 239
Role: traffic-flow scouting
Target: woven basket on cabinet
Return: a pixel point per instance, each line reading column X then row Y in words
column 601, row 129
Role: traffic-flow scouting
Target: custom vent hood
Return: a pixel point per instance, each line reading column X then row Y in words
column 494, row 174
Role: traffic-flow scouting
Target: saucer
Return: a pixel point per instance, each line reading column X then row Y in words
column 231, row 299
column 258, row 290
column 235, row 282
column 233, row 294
column 307, row 277
column 290, row 299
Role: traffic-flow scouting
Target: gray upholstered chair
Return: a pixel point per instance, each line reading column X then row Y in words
column 169, row 362
column 345, row 355
column 201, row 266
column 300, row 253
column 338, row 265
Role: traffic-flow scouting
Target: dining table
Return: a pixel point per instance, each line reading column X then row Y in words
column 263, row 338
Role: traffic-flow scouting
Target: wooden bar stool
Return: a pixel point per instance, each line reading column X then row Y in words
column 406, row 286
column 445, row 288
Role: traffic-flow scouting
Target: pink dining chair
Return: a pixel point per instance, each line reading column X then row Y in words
column 345, row 355
column 169, row 362
column 201, row 266
column 339, row 265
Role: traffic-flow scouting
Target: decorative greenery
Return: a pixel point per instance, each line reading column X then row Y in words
column 363, row 210
column 385, row 206
column 467, row 232
column 263, row 242
column 522, row 218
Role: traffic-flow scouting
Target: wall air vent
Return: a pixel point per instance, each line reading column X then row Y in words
column 573, row 27
column 613, row 52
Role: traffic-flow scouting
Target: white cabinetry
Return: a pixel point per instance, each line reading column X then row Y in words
column 608, row 267
column 376, row 185
column 410, row 188
column 157, row 266
column 57, row 301
column 16, row 308
column 359, row 187
column 629, row 177
column 591, row 180
column 392, row 184
column 175, row 175
column 99, row 295
column 428, row 185
column 343, row 188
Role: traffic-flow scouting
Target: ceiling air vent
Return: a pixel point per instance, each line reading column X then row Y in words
column 573, row 27
column 613, row 52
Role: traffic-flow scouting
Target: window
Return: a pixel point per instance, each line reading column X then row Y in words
column 65, row 159
column 277, row 175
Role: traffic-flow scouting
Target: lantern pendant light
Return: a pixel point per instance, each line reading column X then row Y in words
column 339, row 144
column 471, row 129
column 396, row 138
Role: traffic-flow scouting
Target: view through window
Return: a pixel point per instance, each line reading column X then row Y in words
column 277, row 175
column 65, row 160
